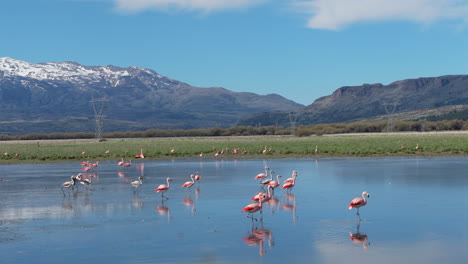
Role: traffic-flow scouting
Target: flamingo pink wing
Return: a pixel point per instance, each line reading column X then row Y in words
column 187, row 184
column 161, row 187
column 260, row 176
column 251, row 208
column 356, row 202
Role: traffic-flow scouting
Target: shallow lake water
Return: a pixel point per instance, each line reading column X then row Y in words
column 416, row 213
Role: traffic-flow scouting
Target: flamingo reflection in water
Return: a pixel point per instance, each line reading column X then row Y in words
column 137, row 203
column 140, row 167
column 188, row 201
column 290, row 205
column 164, row 210
column 121, row 174
column 358, row 238
column 197, row 193
column 257, row 237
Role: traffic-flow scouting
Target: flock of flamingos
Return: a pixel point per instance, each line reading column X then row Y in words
column 270, row 183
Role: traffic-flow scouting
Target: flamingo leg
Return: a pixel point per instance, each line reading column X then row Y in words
column 251, row 217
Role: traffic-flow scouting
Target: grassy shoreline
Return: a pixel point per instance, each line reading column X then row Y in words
column 338, row 145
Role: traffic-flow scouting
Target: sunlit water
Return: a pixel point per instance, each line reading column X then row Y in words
column 416, row 213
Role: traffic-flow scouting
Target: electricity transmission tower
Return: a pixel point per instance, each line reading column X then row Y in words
column 390, row 109
column 98, row 107
column 292, row 119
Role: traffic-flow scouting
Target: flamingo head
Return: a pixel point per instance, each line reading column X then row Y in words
column 366, row 194
column 141, row 177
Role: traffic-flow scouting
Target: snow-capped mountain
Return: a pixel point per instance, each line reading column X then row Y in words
column 55, row 97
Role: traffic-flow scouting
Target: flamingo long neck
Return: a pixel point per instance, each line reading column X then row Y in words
column 73, row 179
column 168, row 183
column 269, row 191
column 139, row 179
column 271, row 175
column 192, row 177
column 364, row 197
column 277, row 179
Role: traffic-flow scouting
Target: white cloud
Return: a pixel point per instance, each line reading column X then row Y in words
column 337, row 14
column 191, row 5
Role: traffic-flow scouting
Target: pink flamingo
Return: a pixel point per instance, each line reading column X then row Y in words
column 189, row 184
column 94, row 164
column 120, row 163
column 267, row 197
column 163, row 187
column 252, row 208
column 264, row 197
column 358, row 202
column 274, row 184
column 84, row 163
column 258, row 196
column 86, row 168
column 265, row 182
column 71, row 183
column 263, row 174
column 141, row 155
column 293, row 178
column 289, row 185
column 197, row 177
column 127, row 164
column 86, row 182
column 137, row 183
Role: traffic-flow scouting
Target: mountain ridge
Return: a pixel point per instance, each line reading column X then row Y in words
column 132, row 95
column 357, row 102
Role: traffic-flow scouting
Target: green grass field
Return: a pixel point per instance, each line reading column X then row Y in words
column 359, row 145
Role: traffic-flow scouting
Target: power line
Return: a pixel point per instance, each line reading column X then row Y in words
column 390, row 109
column 98, row 107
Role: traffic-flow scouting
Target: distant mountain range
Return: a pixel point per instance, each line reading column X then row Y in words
column 60, row 96
column 350, row 103
column 66, row 96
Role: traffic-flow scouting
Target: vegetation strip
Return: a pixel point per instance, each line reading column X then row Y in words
column 359, row 145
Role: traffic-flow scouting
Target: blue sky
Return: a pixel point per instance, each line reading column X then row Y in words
column 301, row 50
